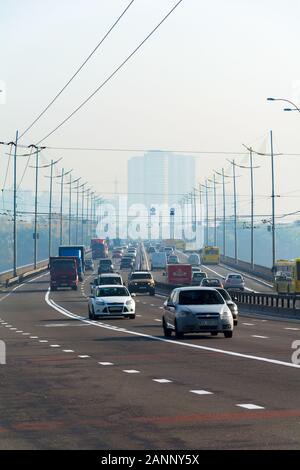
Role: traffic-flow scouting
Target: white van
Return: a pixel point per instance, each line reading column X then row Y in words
column 194, row 259
column 158, row 261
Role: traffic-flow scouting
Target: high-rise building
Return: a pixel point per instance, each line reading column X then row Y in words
column 160, row 178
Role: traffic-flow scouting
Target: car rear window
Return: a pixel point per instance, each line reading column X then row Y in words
column 110, row 280
column 200, row 297
column 235, row 276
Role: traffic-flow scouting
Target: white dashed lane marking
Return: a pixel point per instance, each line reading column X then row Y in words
column 131, row 371
column 106, row 363
column 43, row 341
column 162, row 381
column 83, row 356
column 157, row 319
column 201, row 392
column 54, row 346
column 292, row 329
column 248, row 324
column 250, row 406
column 33, row 337
column 68, row 350
column 258, row 336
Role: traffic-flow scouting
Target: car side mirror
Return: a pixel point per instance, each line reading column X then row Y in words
column 133, row 295
column 91, row 296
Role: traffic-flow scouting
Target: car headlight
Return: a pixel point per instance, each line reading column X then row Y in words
column 226, row 314
column 100, row 302
column 184, row 313
column 129, row 302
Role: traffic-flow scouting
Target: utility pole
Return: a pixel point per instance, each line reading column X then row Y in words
column 36, row 235
column 235, row 211
column 15, row 208
column 70, row 204
column 50, row 205
column 61, row 206
column 273, row 202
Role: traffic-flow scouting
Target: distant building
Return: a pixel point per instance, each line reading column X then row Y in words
column 160, row 178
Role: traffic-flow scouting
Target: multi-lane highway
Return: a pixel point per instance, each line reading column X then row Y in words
column 70, row 382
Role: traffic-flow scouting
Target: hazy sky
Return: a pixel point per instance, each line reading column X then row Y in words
column 200, row 83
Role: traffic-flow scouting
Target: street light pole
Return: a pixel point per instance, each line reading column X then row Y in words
column 61, row 206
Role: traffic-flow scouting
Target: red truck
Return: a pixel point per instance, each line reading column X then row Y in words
column 63, row 272
column 99, row 248
column 180, row 274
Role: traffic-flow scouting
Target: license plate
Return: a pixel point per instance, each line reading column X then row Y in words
column 115, row 309
column 207, row 322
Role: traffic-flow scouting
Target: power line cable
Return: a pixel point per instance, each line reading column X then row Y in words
column 112, row 74
column 77, row 71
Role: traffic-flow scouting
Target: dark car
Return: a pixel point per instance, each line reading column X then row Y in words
column 105, row 266
column 231, row 304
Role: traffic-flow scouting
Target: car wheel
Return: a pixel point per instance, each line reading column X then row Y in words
column 167, row 331
column 132, row 316
column 228, row 334
column 152, row 292
column 214, row 333
column 53, row 288
column 74, row 288
column 235, row 322
column 178, row 334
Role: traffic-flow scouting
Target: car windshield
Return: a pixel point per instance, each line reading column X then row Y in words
column 141, row 276
column 105, row 261
column 224, row 294
column 200, row 297
column 112, row 292
column 211, row 282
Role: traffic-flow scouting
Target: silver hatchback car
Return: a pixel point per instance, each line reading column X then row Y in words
column 196, row 310
column 234, row 281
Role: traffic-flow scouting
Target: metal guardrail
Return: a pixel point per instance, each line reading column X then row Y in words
column 290, row 301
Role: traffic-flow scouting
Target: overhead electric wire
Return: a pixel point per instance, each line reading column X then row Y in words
column 77, row 71
column 112, row 74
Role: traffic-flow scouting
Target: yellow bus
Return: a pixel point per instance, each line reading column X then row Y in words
column 210, row 255
column 296, row 277
column 283, row 275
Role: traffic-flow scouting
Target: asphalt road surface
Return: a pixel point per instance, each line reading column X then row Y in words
column 72, row 383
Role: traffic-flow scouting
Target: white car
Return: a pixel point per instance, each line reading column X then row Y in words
column 196, row 310
column 111, row 301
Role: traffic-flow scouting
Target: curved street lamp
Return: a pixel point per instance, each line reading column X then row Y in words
column 295, row 107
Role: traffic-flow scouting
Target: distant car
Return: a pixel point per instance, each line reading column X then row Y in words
column 231, row 304
column 234, row 281
column 117, row 253
column 106, row 279
column 151, row 249
column 141, row 281
column 197, row 277
column 173, row 259
column 196, row 310
column 168, row 250
column 194, row 259
column 105, row 266
column 111, row 301
column 196, row 269
column 89, row 265
column 211, row 282
column 127, row 263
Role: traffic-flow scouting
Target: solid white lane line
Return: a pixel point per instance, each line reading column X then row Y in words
column 69, row 314
column 106, row 363
column 258, row 336
column 162, row 381
column 251, row 406
column 201, row 392
column 131, row 371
